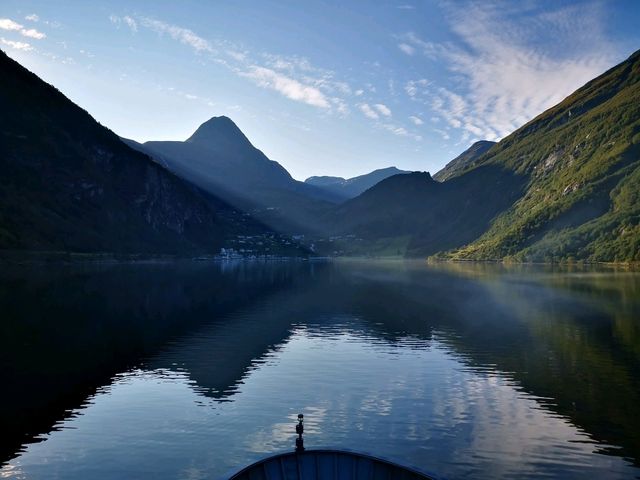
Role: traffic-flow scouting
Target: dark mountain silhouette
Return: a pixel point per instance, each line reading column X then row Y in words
column 414, row 215
column 352, row 187
column 220, row 159
column 464, row 160
column 70, row 184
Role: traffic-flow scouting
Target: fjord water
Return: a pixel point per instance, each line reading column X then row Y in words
column 189, row 370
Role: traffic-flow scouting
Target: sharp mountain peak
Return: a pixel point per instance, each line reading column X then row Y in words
column 219, row 131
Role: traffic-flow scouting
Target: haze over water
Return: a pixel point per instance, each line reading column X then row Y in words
column 191, row 370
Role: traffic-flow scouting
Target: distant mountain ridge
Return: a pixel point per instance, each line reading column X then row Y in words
column 352, row 187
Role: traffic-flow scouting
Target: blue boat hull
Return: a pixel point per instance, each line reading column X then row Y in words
column 327, row 465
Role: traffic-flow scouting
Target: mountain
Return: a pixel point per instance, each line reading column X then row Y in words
column 565, row 186
column 562, row 187
column 414, row 215
column 464, row 160
column 581, row 159
column 352, row 187
column 220, row 159
column 70, row 184
column 325, row 181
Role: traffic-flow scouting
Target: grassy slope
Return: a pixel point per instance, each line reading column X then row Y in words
column 582, row 159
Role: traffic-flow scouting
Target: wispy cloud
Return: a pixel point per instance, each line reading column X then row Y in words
column 401, row 131
column 416, row 44
column 396, row 130
column 287, row 86
column 32, row 33
column 383, row 109
column 451, row 107
column 293, row 77
column 506, row 70
column 406, row 48
column 128, row 21
column 368, row 111
column 442, row 133
column 131, row 23
column 183, row 35
column 341, row 106
column 10, row 25
column 17, row 45
column 36, row 19
column 416, row 120
column 415, row 87
column 305, row 72
column 381, row 116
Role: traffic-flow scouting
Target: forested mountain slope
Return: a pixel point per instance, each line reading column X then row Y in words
column 582, row 161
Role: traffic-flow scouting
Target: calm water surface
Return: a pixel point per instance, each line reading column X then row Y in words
column 189, row 370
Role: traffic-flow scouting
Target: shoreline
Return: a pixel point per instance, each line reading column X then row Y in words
column 19, row 257
column 68, row 258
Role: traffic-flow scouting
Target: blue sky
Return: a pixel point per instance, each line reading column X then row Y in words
column 324, row 88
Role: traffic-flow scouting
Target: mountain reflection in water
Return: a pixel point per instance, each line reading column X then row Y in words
column 188, row 370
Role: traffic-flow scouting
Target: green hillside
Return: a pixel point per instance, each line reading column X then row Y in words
column 582, row 161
